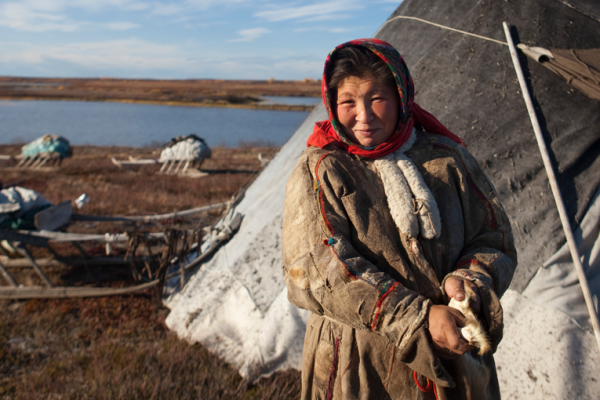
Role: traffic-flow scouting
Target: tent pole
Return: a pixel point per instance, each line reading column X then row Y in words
column 555, row 189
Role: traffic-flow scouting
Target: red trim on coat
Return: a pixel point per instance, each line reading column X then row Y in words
column 336, row 348
column 378, row 306
column 321, row 202
column 430, row 385
column 471, row 261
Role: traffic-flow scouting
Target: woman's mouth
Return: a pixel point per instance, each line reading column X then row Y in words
column 366, row 132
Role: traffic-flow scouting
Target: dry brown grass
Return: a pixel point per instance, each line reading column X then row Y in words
column 200, row 92
column 119, row 347
column 138, row 190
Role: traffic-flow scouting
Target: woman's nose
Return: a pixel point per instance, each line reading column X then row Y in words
column 364, row 113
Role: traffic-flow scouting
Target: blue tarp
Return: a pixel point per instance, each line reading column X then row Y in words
column 48, row 144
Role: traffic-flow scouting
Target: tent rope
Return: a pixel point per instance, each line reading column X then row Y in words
column 439, row 26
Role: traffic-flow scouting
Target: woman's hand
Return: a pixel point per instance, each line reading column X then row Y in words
column 455, row 289
column 444, row 325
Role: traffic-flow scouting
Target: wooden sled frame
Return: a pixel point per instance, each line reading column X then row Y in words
column 38, row 162
column 167, row 166
column 20, row 239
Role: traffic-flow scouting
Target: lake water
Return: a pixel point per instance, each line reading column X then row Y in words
column 122, row 124
column 302, row 101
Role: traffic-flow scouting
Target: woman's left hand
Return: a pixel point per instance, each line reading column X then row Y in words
column 455, row 288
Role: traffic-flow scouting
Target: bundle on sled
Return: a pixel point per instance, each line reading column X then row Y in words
column 48, row 150
column 43, row 255
column 183, row 155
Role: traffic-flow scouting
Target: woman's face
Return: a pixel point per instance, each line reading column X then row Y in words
column 367, row 110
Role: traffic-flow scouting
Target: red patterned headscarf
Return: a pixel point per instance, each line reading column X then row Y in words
column 327, row 132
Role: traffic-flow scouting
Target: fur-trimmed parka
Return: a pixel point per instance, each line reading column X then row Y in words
column 370, row 285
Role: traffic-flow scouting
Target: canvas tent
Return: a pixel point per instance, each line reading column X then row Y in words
column 236, row 303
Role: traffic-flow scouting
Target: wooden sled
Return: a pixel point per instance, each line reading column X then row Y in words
column 182, row 167
column 148, row 278
column 42, row 162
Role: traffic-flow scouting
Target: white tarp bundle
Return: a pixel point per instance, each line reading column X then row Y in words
column 236, row 304
column 187, row 148
column 19, row 200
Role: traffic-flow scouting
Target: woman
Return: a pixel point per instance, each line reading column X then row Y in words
column 386, row 217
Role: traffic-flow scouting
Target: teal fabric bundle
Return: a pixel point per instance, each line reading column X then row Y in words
column 48, row 144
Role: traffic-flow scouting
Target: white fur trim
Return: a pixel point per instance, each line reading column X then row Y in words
column 429, row 214
column 402, row 182
column 398, row 195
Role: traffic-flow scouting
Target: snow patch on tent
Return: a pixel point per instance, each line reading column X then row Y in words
column 236, row 304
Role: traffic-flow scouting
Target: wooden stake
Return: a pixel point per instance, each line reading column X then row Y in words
column 23, row 250
column 171, row 166
column 38, row 160
column 178, row 166
column 562, row 212
column 43, row 161
column 187, row 164
column 29, row 161
column 164, row 166
column 38, row 292
column 22, row 162
column 7, row 276
column 80, row 249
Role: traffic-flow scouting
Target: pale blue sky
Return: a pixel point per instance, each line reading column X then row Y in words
column 178, row 39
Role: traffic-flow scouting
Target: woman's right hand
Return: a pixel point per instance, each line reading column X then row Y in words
column 444, row 327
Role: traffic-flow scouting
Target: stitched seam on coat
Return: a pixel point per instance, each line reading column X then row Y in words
column 336, row 348
column 348, row 271
column 493, row 222
column 321, row 202
column 383, row 292
column 382, row 295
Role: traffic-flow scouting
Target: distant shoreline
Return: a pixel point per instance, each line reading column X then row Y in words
column 192, row 92
column 255, row 106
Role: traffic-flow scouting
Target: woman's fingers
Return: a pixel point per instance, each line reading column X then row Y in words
column 455, row 289
column 444, row 324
